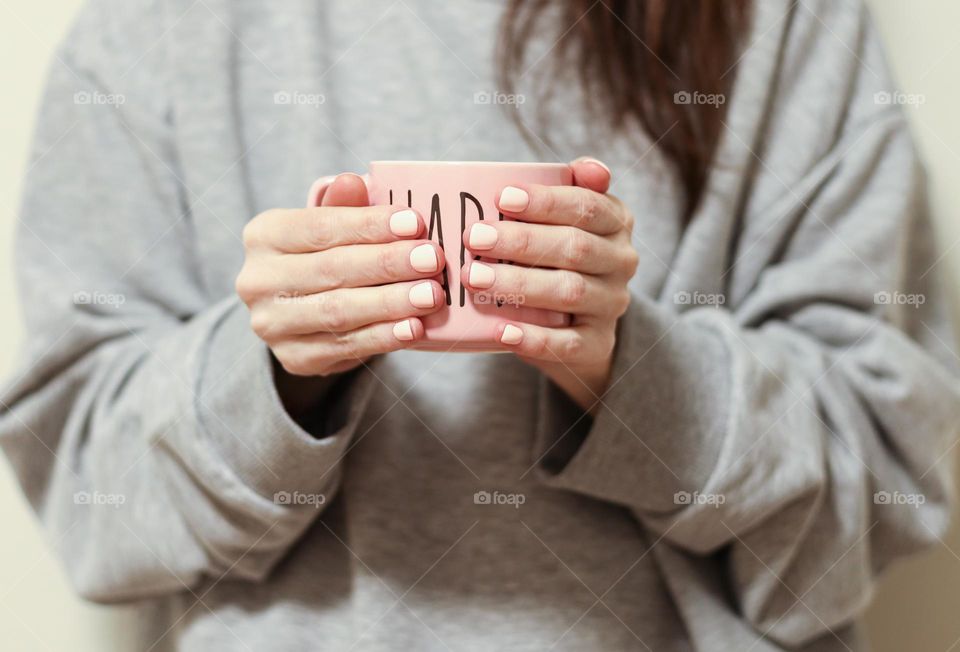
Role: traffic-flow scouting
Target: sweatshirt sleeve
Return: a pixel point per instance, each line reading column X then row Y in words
column 143, row 423
column 801, row 434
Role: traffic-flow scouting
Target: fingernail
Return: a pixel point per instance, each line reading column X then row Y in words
column 481, row 276
column 404, row 223
column 590, row 159
column 511, row 335
column 421, row 295
column 482, row 236
column 424, row 258
column 403, row 331
column 514, row 200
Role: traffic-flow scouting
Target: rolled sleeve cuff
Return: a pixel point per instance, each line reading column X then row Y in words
column 659, row 428
column 242, row 413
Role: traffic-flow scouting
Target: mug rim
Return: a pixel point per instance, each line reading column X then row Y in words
column 472, row 163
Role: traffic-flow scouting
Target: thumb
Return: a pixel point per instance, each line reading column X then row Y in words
column 591, row 174
column 346, row 190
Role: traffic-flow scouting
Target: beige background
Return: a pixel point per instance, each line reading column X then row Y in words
column 916, row 608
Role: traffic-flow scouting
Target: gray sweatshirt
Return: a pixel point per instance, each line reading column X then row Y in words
column 783, row 399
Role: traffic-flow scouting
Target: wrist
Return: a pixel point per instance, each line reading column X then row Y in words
column 584, row 384
column 302, row 396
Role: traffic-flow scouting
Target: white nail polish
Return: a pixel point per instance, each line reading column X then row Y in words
column 404, row 223
column 590, row 159
column 511, row 335
column 421, row 295
column 424, row 259
column 403, row 331
column 514, row 200
column 482, row 236
column 481, row 276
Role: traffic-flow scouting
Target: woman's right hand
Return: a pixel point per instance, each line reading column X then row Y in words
column 331, row 286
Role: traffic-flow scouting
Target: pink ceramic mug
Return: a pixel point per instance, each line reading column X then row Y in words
column 452, row 196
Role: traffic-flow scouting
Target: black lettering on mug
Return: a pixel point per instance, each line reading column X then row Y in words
column 435, row 220
column 500, row 219
column 464, row 196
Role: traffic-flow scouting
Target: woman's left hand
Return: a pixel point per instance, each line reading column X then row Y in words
column 576, row 242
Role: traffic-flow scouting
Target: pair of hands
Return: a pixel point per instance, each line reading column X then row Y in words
column 330, row 287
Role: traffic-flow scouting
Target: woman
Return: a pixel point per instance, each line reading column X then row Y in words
column 726, row 463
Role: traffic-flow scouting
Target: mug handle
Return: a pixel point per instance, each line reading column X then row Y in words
column 319, row 188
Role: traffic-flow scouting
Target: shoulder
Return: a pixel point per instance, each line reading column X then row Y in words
column 833, row 41
column 830, row 62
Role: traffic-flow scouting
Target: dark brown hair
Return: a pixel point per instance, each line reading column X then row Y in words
column 633, row 58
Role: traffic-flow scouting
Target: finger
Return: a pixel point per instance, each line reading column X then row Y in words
column 568, row 205
column 339, row 311
column 355, row 266
column 318, row 229
column 330, row 352
column 591, row 174
column 346, row 190
column 539, row 245
column 540, row 343
column 560, row 290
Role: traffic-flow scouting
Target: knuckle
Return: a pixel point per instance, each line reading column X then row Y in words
column 572, row 347
column 515, row 280
column 521, row 240
column 328, row 269
column 252, row 233
column 246, row 285
column 296, row 365
column 588, row 208
column 247, row 234
column 254, row 282
column 372, row 225
column 631, row 261
column 260, row 324
column 622, row 302
column 538, row 348
column 548, row 202
column 318, row 227
column 334, row 312
column 360, row 345
column 320, row 232
column 572, row 290
column 346, row 345
column 369, row 342
column 388, row 262
column 579, row 249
